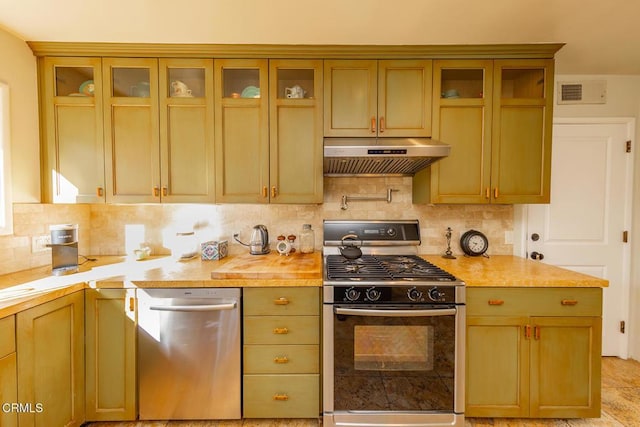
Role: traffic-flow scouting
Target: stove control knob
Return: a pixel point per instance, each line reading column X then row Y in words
column 373, row 294
column 436, row 295
column 414, row 294
column 391, row 232
column 352, row 294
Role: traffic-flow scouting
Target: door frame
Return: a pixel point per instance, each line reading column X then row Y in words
column 520, row 231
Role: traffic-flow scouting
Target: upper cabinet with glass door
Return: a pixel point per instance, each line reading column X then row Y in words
column 186, row 131
column 131, row 130
column 241, row 130
column 462, row 99
column 72, row 149
column 521, row 132
column 295, row 131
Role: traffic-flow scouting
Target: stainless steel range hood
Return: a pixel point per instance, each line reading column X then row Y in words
column 380, row 156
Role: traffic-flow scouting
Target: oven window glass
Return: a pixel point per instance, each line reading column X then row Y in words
column 393, row 348
column 394, row 363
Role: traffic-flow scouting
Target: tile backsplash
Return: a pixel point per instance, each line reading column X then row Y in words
column 118, row 229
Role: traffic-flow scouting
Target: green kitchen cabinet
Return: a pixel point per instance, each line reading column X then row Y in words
column 72, row 148
column 281, row 373
column 533, row 353
column 50, row 357
column 110, row 353
column 377, row 98
column 268, row 145
column 497, row 117
column 8, row 371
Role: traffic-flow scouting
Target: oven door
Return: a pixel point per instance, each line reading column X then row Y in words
column 403, row 362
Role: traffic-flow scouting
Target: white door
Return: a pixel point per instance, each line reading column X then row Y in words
column 582, row 228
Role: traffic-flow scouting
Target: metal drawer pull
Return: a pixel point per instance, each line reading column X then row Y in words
column 569, row 302
column 281, row 301
column 281, row 331
column 496, row 302
column 281, row 359
column 282, row 397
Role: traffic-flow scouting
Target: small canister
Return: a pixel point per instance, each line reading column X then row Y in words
column 307, row 239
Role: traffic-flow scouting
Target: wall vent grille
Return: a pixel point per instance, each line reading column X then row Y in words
column 586, row 92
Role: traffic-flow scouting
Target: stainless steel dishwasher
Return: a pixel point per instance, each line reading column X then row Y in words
column 189, row 353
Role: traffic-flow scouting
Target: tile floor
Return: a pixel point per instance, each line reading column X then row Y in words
column 620, row 407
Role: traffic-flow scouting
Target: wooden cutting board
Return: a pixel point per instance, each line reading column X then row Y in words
column 271, row 266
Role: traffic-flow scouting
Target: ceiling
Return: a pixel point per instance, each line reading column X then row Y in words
column 602, row 37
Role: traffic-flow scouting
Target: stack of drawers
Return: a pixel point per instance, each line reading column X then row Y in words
column 281, row 352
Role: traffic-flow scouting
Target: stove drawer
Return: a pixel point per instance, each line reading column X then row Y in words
column 281, row 329
column 534, row 301
column 281, row 396
column 281, row 359
column 285, row 301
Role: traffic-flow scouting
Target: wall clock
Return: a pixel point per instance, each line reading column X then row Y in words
column 474, row 243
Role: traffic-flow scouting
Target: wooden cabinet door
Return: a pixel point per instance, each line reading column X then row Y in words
column 73, row 144
column 8, row 371
column 241, row 131
column 110, row 320
column 497, row 368
column 295, row 143
column 462, row 99
column 131, row 130
column 350, row 97
column 404, row 98
column 566, row 367
column 186, row 130
column 521, row 134
column 50, row 351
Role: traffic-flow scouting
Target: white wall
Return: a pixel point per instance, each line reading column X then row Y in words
column 18, row 70
column 623, row 100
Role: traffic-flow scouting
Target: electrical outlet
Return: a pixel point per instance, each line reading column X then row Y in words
column 508, row 237
column 39, row 243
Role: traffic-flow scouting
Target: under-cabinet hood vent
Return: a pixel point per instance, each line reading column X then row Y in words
column 380, row 157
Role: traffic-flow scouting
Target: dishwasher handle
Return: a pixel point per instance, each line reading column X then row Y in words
column 207, row 307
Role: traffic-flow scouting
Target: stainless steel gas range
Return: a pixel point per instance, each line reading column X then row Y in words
column 393, row 329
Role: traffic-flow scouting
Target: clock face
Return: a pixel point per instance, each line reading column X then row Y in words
column 474, row 243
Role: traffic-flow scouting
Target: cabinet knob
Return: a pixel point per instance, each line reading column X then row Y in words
column 156, row 191
column 381, row 124
column 496, row 302
column 99, row 192
column 527, row 331
column 569, row 302
column 281, row 331
column 281, row 397
column 281, row 301
column 273, row 191
column 281, row 359
column 373, row 125
column 264, row 191
column 165, row 191
column 495, row 193
column 487, row 193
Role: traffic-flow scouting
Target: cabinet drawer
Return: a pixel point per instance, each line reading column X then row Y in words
column 7, row 335
column 534, row 302
column 281, row 301
column 281, row 396
column 281, row 359
column 282, row 330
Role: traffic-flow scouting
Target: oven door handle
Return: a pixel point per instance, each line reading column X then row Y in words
column 394, row 313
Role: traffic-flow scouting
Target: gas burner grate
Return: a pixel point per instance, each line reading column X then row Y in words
column 384, row 267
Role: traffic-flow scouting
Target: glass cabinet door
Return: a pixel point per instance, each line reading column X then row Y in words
column 74, row 81
column 186, row 82
column 130, row 82
column 462, row 83
column 295, row 83
column 241, row 83
column 523, row 83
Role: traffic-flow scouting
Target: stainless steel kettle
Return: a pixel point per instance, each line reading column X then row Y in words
column 259, row 244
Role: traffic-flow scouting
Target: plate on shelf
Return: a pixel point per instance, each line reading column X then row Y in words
column 87, row 88
column 250, row 92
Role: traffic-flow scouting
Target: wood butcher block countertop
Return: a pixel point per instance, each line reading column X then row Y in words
column 24, row 289
column 512, row 271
